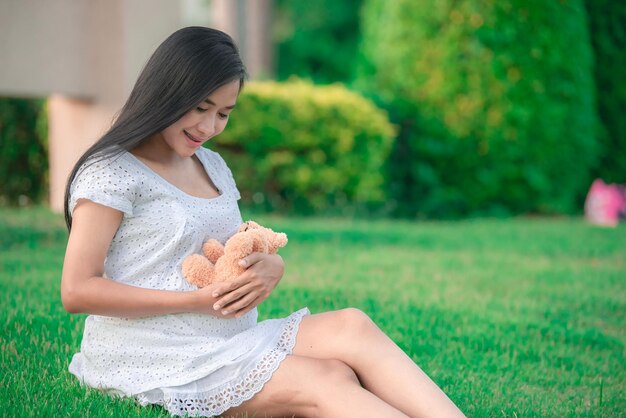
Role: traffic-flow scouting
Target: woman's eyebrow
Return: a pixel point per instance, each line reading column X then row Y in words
column 209, row 101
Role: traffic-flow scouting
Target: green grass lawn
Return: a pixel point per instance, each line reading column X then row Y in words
column 512, row 318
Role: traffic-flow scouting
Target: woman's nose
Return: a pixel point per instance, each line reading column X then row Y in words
column 207, row 125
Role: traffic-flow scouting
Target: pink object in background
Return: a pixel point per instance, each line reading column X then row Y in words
column 605, row 203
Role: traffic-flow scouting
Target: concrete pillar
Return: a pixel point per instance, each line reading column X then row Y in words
column 73, row 125
column 249, row 23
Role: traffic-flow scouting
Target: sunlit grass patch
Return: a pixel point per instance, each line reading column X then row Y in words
column 517, row 317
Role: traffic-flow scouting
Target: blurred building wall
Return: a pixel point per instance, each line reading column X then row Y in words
column 86, row 55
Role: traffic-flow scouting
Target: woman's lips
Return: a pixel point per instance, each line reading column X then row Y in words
column 193, row 138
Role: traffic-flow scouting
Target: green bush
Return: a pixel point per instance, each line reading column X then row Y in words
column 317, row 40
column 607, row 23
column 494, row 99
column 299, row 148
column 23, row 151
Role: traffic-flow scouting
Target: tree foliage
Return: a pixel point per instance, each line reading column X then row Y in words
column 494, row 99
column 23, row 150
column 607, row 20
column 317, row 39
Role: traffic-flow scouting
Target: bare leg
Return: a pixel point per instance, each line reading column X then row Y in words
column 382, row 367
column 310, row 387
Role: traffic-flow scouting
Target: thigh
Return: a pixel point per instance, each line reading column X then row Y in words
column 335, row 334
column 295, row 388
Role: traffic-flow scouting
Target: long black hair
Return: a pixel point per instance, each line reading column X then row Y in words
column 183, row 71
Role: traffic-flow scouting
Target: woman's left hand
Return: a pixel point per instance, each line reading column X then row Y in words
column 252, row 287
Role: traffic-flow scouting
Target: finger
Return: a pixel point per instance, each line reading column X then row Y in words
column 229, row 316
column 232, row 296
column 228, row 287
column 252, row 259
column 248, row 308
column 239, row 304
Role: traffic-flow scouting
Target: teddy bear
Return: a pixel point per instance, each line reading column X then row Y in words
column 221, row 262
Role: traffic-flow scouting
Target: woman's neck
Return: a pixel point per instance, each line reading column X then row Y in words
column 156, row 151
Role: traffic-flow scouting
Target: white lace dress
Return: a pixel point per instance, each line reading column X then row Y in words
column 192, row 364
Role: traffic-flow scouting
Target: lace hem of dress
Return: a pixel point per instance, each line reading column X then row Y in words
column 215, row 402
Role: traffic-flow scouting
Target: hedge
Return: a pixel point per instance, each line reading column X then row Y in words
column 494, row 99
column 299, row 148
column 23, row 151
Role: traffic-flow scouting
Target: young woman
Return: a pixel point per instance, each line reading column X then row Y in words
column 145, row 196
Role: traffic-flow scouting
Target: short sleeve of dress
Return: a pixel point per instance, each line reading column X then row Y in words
column 106, row 182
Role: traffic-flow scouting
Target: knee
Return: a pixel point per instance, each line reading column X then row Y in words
column 353, row 320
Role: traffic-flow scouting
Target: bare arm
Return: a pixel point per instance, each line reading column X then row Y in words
column 84, row 290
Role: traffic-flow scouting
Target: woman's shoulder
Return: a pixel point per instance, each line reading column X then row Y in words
column 104, row 164
column 108, row 179
column 213, row 158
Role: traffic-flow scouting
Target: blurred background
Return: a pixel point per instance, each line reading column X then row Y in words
column 417, row 109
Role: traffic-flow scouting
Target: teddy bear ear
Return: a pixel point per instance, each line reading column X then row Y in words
column 253, row 225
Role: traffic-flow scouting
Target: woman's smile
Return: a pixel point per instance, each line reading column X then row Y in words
column 192, row 139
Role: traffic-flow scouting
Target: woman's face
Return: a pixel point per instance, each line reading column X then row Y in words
column 204, row 122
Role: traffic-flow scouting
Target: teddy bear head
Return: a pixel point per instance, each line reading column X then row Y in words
column 265, row 239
